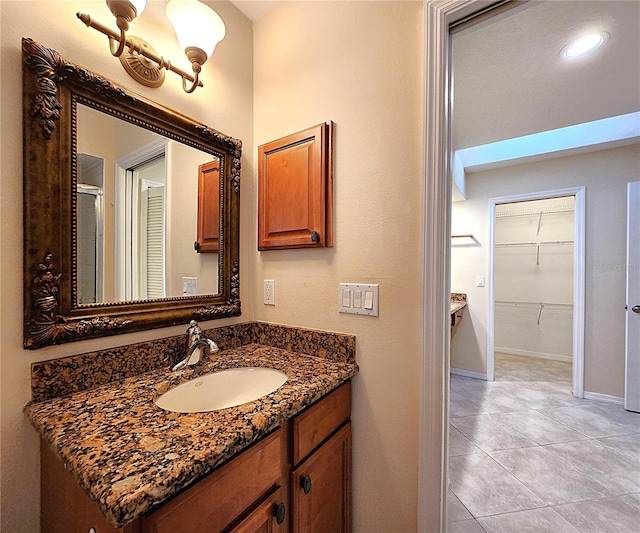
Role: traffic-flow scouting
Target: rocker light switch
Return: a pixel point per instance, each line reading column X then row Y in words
column 346, row 298
column 368, row 300
column 359, row 298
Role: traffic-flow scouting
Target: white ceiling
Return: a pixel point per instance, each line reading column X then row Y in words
column 255, row 9
column 509, row 77
column 510, row 80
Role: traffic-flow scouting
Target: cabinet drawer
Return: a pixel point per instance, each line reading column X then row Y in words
column 313, row 426
column 220, row 498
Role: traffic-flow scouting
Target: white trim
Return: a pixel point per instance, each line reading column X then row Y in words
column 436, row 263
column 132, row 159
column 468, row 374
column 598, row 396
column 579, row 262
column 535, row 355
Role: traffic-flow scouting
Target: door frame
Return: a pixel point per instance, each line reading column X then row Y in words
column 579, row 262
column 436, row 259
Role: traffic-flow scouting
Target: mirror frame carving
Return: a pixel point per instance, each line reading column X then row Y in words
column 52, row 88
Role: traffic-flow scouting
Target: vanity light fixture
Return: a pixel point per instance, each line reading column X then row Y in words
column 198, row 29
column 585, row 45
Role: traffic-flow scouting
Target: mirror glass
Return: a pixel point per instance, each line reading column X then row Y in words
column 137, row 211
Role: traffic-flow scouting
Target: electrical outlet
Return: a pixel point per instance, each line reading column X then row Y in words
column 269, row 292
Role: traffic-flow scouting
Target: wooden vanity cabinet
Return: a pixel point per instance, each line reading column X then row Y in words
column 321, row 460
column 229, row 494
column 297, row 478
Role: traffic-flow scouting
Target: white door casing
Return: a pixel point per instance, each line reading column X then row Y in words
column 632, row 326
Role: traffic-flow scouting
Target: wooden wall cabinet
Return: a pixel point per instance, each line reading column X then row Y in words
column 297, row 478
column 208, row 238
column 295, row 190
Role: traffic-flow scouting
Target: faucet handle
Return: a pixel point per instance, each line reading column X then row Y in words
column 194, row 333
column 193, row 328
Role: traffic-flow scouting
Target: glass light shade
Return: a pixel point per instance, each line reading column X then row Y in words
column 196, row 25
column 139, row 5
column 123, row 8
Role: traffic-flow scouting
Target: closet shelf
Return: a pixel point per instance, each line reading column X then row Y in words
column 540, row 243
column 537, row 245
column 539, row 306
column 535, row 212
column 533, row 305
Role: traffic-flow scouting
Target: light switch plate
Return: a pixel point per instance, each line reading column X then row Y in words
column 189, row 285
column 359, row 298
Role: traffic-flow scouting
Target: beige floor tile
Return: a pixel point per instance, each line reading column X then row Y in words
column 550, row 477
column 611, row 515
column 489, row 433
column 544, row 520
column 627, row 444
column 540, row 428
column 459, row 444
column 558, row 463
column 486, row 488
column 632, row 499
column 611, row 469
column 455, row 510
column 588, row 421
column 465, row 526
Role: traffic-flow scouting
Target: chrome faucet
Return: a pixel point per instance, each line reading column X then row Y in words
column 196, row 343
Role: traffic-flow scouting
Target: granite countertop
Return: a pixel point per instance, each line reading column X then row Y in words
column 458, row 301
column 129, row 455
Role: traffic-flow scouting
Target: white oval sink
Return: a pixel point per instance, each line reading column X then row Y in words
column 220, row 390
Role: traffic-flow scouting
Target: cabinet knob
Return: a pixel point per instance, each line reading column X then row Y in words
column 315, row 236
column 636, row 308
column 305, row 483
column 279, row 512
column 196, row 245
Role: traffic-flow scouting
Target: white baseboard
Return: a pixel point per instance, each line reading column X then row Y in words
column 468, row 374
column 618, row 400
column 537, row 355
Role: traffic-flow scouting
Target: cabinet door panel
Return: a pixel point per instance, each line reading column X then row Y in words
column 324, row 504
column 208, row 207
column 295, row 190
column 263, row 519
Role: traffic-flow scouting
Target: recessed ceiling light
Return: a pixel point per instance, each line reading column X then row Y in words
column 585, row 45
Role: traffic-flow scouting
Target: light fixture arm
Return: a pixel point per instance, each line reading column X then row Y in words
column 162, row 63
column 197, row 56
column 120, row 43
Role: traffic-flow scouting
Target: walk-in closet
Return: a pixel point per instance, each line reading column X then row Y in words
column 533, row 276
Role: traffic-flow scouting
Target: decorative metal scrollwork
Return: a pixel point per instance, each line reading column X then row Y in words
column 47, row 326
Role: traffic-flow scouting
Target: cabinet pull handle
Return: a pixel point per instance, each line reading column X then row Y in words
column 315, row 236
column 305, row 483
column 279, row 512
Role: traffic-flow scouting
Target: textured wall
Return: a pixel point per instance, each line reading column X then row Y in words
column 360, row 65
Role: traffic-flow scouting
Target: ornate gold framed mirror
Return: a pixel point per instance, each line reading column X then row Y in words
column 111, row 206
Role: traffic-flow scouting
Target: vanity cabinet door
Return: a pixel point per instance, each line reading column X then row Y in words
column 270, row 516
column 321, row 487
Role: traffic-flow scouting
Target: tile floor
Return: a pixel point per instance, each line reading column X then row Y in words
column 525, row 456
